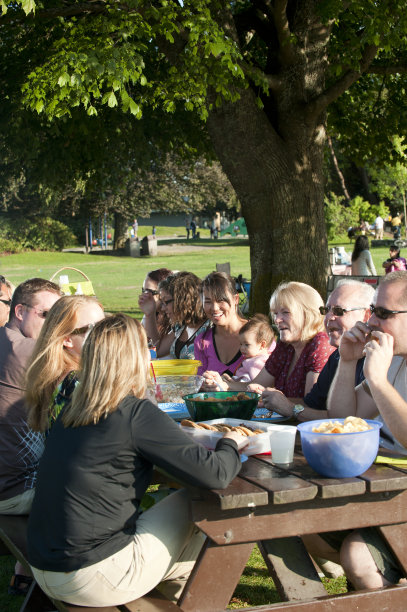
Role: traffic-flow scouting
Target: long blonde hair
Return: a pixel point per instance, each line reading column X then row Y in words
column 50, row 360
column 114, row 364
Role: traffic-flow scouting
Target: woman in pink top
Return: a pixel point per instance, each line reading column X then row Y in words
column 295, row 364
column 219, row 347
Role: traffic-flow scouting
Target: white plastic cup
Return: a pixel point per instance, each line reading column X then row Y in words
column 282, row 441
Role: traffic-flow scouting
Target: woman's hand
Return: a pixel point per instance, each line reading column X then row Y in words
column 147, row 304
column 213, row 382
column 240, row 440
column 275, row 400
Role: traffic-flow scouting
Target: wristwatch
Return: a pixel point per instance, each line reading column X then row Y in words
column 297, row 409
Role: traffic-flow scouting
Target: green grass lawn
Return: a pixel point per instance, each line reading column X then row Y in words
column 116, row 280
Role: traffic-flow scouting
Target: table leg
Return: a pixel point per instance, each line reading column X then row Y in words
column 214, row 577
column 396, row 537
column 291, row 568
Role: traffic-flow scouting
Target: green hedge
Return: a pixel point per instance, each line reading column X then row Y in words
column 38, row 234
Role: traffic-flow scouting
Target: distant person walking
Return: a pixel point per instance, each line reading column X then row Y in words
column 362, row 262
column 378, row 226
column 187, row 226
column 396, row 226
column 193, row 229
column 135, row 228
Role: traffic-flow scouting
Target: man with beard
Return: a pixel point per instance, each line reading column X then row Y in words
column 348, row 303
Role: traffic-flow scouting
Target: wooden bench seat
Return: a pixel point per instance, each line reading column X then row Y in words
column 13, row 541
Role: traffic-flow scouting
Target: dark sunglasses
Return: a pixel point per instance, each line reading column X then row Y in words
column 384, row 313
column 83, row 330
column 38, row 311
column 152, row 291
column 2, row 279
column 338, row 311
column 6, row 302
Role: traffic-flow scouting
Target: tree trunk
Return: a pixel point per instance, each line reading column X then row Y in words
column 120, row 230
column 274, row 159
column 280, row 187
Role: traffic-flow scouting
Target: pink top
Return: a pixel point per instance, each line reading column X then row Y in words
column 312, row 359
column 205, row 351
column 251, row 366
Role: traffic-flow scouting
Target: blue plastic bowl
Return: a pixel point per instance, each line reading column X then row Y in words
column 342, row 455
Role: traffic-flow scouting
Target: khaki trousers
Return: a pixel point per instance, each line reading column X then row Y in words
column 163, row 549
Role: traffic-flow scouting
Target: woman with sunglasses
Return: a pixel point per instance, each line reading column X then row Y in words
column 362, row 262
column 180, row 296
column 155, row 320
column 6, row 293
column 87, row 542
column 303, row 350
column 51, row 375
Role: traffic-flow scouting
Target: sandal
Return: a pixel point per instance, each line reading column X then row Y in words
column 19, row 584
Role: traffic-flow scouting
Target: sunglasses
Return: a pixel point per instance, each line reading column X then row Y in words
column 384, row 313
column 83, row 330
column 152, row 291
column 38, row 311
column 6, row 302
column 338, row 311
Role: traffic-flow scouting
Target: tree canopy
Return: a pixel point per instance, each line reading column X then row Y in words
column 268, row 77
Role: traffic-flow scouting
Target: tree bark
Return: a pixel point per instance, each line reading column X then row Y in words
column 274, row 159
column 120, row 230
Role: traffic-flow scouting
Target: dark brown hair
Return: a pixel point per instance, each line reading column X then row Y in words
column 219, row 285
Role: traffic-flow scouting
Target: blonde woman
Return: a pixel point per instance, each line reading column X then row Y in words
column 56, row 354
column 294, row 365
column 87, row 543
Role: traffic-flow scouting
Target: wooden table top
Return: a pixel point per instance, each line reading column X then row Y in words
column 260, row 483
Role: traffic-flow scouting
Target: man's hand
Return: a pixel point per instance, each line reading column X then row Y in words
column 353, row 342
column 273, row 399
column 378, row 356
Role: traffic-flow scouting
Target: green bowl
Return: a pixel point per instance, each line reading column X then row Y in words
column 215, row 409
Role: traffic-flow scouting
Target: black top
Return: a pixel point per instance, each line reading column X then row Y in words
column 91, row 480
column 318, row 395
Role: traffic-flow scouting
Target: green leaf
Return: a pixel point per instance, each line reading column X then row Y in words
column 63, row 79
column 28, row 6
column 112, row 100
column 39, row 106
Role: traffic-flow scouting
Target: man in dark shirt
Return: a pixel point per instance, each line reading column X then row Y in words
column 348, row 303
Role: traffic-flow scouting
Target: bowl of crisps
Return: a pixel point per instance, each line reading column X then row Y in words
column 340, row 448
column 221, row 405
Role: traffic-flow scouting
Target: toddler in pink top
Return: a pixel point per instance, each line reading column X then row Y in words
column 256, row 343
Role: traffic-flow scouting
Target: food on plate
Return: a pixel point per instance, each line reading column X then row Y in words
column 244, row 430
column 231, row 398
column 350, row 425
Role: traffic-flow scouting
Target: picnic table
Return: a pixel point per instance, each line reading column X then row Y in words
column 272, row 505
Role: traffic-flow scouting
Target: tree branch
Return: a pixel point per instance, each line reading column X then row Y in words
column 386, row 70
column 283, row 31
column 321, row 102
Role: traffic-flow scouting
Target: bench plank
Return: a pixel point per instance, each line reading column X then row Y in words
column 291, row 568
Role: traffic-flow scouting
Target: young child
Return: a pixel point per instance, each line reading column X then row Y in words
column 256, row 343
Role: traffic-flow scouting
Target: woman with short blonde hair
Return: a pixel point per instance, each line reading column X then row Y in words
column 57, row 353
column 303, row 301
column 88, row 544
